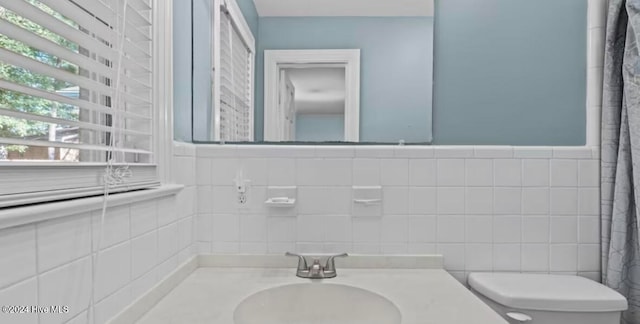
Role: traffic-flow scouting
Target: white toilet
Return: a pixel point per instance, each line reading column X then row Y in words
column 548, row 299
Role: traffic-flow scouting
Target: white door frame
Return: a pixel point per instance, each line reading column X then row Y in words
column 351, row 60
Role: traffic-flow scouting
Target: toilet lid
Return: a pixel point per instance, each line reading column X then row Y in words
column 547, row 292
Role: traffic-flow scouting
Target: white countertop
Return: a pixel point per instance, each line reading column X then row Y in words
column 423, row 296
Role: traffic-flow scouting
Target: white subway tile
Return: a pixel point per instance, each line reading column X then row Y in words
column 422, row 200
column 414, row 152
column 451, row 172
column 366, row 248
column 223, row 171
column 18, row 250
column 366, row 172
column 453, row 151
column 478, row 257
column 493, row 152
column 394, row 172
column 479, row 200
column 507, row 229
column 224, row 200
column 253, row 228
column 535, row 257
column 167, row 210
column 479, row 172
column 253, row 247
column 535, row 173
column 589, row 229
column 73, row 279
column 506, row 257
column 203, row 171
column 394, row 229
column 421, row 248
column 454, row 256
column 185, row 170
column 451, row 229
column 113, row 271
column 185, row 232
column 167, row 241
column 564, row 201
column 507, row 201
column 589, row 257
column 280, row 247
column 335, row 151
column 535, row 201
column 563, row 257
column 281, row 229
column 564, row 173
column 205, row 199
column 204, row 229
column 338, row 229
column 24, row 293
column 310, row 228
column 589, row 201
column 282, row 171
column 254, row 170
column 324, row 200
column 532, row 152
column 144, row 217
column 166, row 267
column 366, row 230
column 226, row 228
column 589, row 173
column 396, row 200
column 112, row 305
column 581, row 152
column 225, row 248
column 144, row 250
column 451, row 200
column 327, row 172
column 116, row 227
column 422, row 229
column 215, row 150
column 374, row 151
column 564, row 229
column 394, row 248
column 535, row 229
column 508, row 172
column 63, row 240
column 479, row 229
column 422, row 172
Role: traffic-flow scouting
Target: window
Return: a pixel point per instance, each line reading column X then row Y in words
column 234, row 48
column 76, row 91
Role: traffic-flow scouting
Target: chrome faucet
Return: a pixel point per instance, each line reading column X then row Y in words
column 316, row 270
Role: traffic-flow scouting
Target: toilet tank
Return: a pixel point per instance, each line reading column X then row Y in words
column 548, row 299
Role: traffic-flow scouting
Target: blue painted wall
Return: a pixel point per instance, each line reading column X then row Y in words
column 319, row 128
column 396, row 69
column 510, row 72
column 182, row 71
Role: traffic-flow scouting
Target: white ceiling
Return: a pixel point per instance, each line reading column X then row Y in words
column 370, row 8
column 319, row 90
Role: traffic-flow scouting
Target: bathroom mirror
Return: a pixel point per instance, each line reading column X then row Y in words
column 312, row 71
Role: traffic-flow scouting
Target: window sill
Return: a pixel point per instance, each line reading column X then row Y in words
column 31, row 214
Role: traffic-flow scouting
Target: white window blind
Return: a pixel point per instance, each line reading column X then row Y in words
column 75, row 88
column 236, row 86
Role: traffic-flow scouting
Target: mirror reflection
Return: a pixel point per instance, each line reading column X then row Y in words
column 321, row 71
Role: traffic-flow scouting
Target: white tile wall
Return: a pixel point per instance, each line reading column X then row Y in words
column 49, row 263
column 485, row 208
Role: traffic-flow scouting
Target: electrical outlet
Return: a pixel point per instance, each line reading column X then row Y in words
column 242, row 198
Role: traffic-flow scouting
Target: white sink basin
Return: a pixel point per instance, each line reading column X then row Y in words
column 316, row 303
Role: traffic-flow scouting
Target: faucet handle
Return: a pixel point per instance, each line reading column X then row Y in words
column 330, row 266
column 302, row 262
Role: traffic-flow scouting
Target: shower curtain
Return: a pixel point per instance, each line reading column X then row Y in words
column 620, row 157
